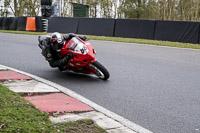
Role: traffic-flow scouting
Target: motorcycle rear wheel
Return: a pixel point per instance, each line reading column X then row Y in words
column 100, row 70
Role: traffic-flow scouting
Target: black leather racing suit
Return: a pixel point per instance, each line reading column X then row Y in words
column 54, row 58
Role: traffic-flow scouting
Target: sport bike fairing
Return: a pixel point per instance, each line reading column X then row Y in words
column 77, row 46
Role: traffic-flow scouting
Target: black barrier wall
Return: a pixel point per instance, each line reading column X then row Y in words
column 177, row 31
column 6, row 23
column 1, row 22
column 96, row 26
column 13, row 25
column 63, row 25
column 132, row 28
column 38, row 23
column 21, row 23
column 199, row 33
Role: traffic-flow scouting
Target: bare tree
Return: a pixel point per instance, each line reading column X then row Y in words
column 32, row 7
column 188, row 10
column 4, row 8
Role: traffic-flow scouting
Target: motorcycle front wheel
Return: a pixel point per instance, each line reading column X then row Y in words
column 100, row 70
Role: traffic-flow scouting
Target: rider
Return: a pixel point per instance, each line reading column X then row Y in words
column 51, row 46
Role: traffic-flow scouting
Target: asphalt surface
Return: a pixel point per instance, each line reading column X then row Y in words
column 156, row 87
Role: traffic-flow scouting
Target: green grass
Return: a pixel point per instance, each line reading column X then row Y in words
column 118, row 39
column 18, row 115
column 23, row 32
column 144, row 41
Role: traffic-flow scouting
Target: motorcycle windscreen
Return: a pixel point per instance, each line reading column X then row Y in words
column 77, row 46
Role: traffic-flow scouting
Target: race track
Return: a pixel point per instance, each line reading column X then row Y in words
column 156, row 87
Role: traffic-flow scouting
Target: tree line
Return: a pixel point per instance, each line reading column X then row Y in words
column 19, row 7
column 186, row 10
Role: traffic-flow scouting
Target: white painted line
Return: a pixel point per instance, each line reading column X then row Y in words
column 2, row 68
column 73, row 94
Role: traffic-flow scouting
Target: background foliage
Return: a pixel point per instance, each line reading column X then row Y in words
column 186, row 10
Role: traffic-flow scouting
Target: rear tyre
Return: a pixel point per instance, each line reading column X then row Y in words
column 100, row 70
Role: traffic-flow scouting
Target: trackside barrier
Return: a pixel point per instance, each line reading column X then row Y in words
column 1, row 22
column 199, row 33
column 133, row 28
column 13, row 25
column 176, row 31
column 30, row 24
column 38, row 22
column 6, row 23
column 96, row 26
column 199, row 37
column 21, row 24
column 63, row 24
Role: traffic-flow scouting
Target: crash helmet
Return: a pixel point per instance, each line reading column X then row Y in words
column 57, row 41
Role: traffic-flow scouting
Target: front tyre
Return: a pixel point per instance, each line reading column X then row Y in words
column 100, row 70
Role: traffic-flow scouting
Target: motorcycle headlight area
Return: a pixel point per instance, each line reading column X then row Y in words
column 81, row 49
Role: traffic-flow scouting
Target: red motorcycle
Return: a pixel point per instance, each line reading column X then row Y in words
column 83, row 60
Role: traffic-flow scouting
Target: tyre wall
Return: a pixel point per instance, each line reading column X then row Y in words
column 96, row 26
column 63, row 25
column 177, row 31
column 132, row 28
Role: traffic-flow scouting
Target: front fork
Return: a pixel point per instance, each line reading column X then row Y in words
column 91, row 66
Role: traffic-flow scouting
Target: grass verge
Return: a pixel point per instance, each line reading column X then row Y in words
column 118, row 39
column 19, row 115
